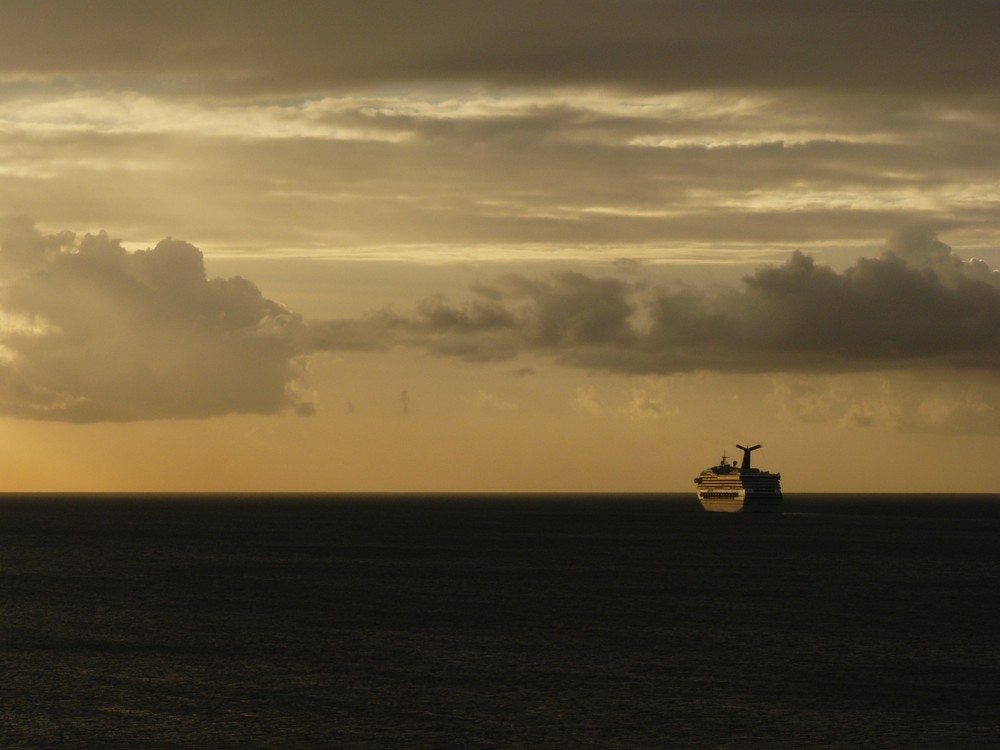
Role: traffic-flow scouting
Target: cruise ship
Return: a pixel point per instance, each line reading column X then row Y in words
column 732, row 487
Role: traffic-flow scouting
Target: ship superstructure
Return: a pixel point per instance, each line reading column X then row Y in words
column 732, row 487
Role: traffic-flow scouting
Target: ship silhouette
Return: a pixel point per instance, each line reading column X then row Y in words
column 731, row 488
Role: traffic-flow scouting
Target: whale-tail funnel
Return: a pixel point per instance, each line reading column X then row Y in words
column 746, row 456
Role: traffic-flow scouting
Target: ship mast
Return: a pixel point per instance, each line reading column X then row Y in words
column 746, row 456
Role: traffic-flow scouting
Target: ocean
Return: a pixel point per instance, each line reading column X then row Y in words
column 498, row 622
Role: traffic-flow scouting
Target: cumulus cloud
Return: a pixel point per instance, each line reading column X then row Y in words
column 918, row 305
column 93, row 332
column 90, row 331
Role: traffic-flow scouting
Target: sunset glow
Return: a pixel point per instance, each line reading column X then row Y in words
column 593, row 244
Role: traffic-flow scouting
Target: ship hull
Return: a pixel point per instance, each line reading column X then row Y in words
column 740, row 503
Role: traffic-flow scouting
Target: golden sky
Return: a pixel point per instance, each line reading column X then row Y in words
column 467, row 246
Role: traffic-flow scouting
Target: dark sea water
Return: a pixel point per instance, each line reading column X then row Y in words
column 498, row 622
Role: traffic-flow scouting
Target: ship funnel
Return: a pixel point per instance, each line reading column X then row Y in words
column 746, row 455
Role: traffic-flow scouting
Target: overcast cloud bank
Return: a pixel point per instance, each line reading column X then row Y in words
column 304, row 45
column 527, row 127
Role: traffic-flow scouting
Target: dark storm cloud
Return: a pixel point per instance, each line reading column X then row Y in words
column 311, row 45
column 916, row 306
column 92, row 332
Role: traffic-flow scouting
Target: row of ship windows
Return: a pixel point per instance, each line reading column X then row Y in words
column 744, row 482
column 755, row 491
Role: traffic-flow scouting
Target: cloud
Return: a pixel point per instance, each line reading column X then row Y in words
column 895, row 402
column 489, row 401
column 637, row 127
column 586, row 403
column 306, row 46
column 916, row 306
column 473, row 168
column 92, row 332
column 643, row 407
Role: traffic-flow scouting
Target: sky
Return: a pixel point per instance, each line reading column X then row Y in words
column 476, row 247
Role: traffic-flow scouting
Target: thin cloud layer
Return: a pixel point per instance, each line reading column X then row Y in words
column 917, row 306
column 92, row 332
column 900, row 401
column 504, row 172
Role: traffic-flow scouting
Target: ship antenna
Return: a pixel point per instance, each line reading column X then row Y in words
column 746, row 456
